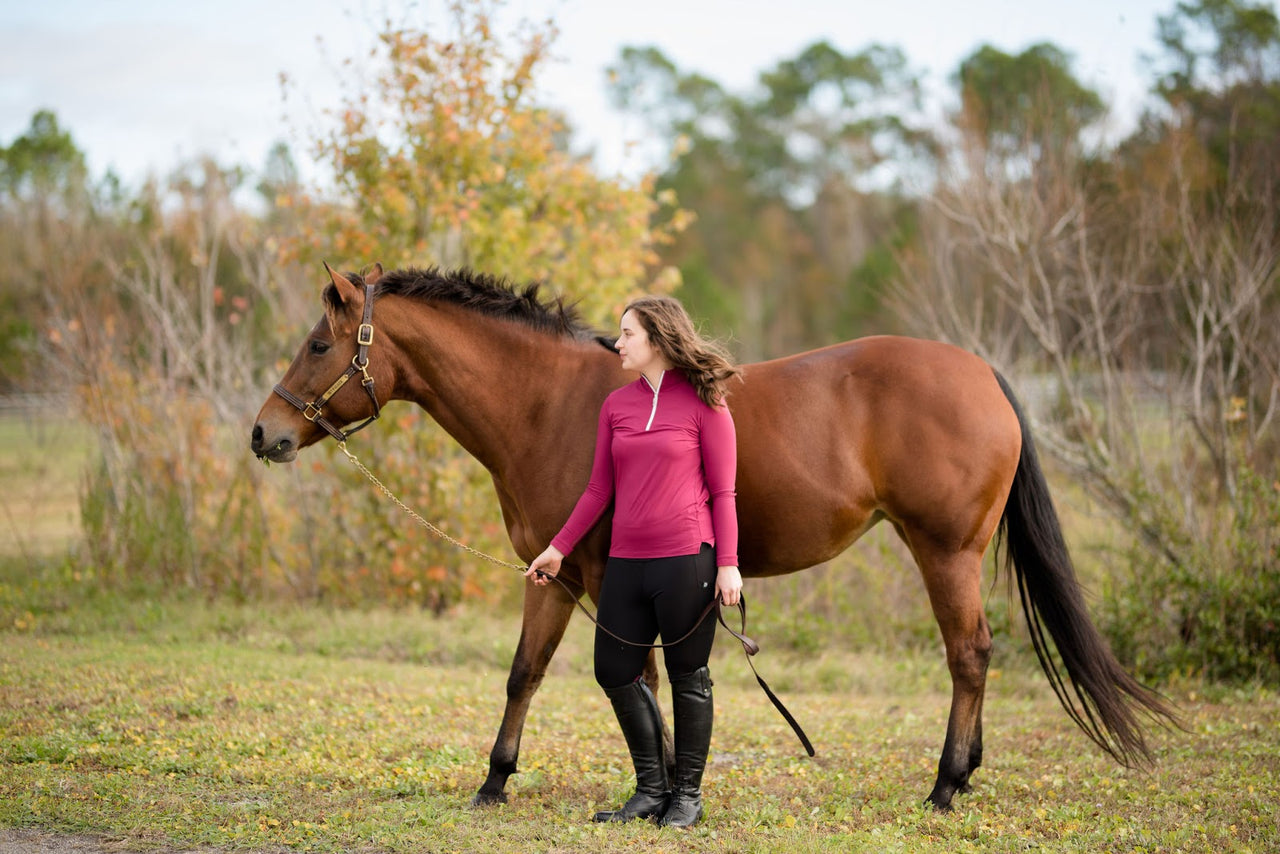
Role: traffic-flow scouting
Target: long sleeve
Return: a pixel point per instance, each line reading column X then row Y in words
column 596, row 498
column 719, row 444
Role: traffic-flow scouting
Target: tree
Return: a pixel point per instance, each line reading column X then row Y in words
column 1027, row 102
column 279, row 175
column 1217, row 44
column 45, row 208
column 1220, row 80
column 44, row 162
column 784, row 180
column 1215, row 151
column 1135, row 299
column 448, row 158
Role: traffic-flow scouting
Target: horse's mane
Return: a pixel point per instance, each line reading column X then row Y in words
column 488, row 295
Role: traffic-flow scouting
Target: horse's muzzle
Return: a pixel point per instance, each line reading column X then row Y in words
column 282, row 450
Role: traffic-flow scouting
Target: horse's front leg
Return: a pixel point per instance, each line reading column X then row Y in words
column 546, row 614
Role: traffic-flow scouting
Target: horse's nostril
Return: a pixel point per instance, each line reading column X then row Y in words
column 256, row 443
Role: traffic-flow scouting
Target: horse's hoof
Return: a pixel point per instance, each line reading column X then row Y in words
column 940, row 802
column 488, row 799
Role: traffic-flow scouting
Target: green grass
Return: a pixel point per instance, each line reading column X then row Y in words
column 177, row 723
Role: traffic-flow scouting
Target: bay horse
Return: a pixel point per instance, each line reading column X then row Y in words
column 917, row 433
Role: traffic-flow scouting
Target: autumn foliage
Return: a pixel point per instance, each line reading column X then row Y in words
column 447, row 159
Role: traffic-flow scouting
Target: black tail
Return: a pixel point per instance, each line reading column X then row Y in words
column 1097, row 693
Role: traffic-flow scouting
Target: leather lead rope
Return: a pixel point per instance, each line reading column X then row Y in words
column 764, row 686
column 749, row 647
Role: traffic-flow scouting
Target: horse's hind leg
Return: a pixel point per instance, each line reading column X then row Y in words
column 546, row 614
column 954, row 582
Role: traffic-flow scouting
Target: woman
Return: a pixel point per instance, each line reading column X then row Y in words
column 666, row 459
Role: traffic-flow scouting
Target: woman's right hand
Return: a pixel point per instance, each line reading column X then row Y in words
column 545, row 566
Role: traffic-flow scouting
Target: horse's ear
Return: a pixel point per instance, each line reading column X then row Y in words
column 346, row 291
column 340, row 297
column 372, row 274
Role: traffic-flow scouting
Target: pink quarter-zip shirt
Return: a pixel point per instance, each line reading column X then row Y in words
column 667, row 462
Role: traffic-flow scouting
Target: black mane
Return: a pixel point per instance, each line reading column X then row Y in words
column 488, row 295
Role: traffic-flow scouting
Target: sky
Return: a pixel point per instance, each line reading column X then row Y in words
column 144, row 85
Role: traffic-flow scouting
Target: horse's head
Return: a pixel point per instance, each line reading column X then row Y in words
column 314, row 398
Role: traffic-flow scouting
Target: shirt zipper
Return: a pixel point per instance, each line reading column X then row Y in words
column 654, row 410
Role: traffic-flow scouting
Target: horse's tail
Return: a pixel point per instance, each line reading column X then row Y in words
column 1109, row 699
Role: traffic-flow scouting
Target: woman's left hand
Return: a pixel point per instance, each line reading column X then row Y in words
column 728, row 585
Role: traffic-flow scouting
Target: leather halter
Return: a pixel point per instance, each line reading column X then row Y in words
column 314, row 411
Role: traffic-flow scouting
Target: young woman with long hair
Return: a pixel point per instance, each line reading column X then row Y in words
column 666, row 460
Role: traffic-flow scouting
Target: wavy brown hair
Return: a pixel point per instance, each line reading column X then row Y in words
column 707, row 366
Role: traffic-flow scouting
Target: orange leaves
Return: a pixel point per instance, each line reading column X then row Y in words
column 447, row 159
column 441, row 156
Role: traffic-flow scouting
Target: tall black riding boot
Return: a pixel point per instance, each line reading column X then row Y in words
column 691, row 699
column 637, row 712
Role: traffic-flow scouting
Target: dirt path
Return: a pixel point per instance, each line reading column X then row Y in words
column 23, row 841
column 38, row 842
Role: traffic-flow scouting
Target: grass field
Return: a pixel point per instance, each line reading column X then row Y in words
column 174, row 724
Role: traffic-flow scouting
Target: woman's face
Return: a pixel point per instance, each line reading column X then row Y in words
column 633, row 343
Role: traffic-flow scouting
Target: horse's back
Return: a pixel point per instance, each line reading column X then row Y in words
column 832, row 440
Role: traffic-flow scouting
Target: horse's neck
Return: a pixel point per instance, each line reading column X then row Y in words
column 505, row 392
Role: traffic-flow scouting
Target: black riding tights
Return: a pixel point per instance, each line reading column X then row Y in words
column 642, row 599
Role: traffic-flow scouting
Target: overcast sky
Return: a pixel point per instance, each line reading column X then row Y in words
column 144, row 84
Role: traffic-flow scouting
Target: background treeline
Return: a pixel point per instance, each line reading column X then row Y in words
column 1129, row 288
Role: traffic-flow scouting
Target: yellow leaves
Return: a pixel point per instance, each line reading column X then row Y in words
column 484, row 167
column 681, row 220
column 396, row 202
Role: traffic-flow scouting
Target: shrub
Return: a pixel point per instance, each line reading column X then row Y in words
column 1217, row 612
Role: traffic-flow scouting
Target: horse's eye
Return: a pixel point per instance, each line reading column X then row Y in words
column 319, row 348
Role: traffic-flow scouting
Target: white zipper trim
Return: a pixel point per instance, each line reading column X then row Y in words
column 654, row 410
